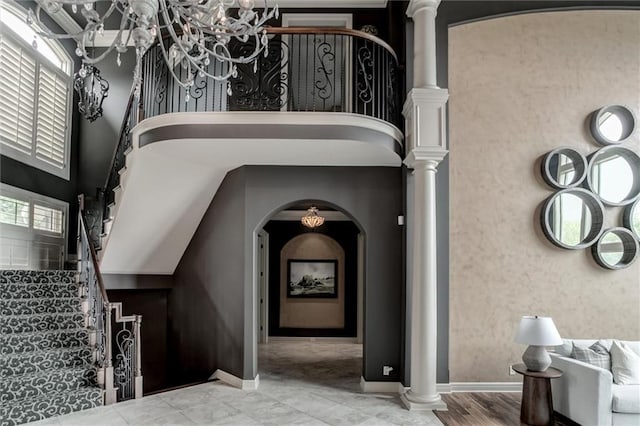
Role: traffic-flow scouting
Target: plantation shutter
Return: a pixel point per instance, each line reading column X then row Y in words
column 52, row 118
column 17, row 91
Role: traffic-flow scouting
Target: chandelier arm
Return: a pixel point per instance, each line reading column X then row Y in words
column 90, row 60
column 174, row 36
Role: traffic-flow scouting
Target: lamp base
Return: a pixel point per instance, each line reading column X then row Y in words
column 536, row 358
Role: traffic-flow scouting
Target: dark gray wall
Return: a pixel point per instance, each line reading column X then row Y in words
column 152, row 305
column 372, row 197
column 206, row 305
column 136, row 282
column 99, row 139
column 212, row 307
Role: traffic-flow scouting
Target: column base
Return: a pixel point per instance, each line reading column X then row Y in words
column 413, row 403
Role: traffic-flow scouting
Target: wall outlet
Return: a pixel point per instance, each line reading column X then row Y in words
column 512, row 372
column 386, row 370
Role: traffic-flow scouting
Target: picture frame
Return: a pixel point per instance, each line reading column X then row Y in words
column 312, row 278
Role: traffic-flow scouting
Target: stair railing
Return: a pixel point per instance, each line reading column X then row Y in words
column 122, row 379
column 132, row 116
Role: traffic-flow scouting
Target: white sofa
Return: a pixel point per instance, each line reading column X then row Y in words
column 587, row 395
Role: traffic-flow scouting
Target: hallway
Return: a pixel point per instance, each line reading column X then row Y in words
column 303, row 383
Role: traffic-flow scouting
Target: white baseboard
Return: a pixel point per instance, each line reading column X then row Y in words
column 379, row 387
column 236, row 382
column 469, row 387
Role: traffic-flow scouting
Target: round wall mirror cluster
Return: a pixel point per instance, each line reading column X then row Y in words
column 573, row 217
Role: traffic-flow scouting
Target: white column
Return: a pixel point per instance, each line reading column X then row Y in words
column 423, row 13
column 425, row 115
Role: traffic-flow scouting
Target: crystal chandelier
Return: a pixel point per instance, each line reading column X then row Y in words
column 311, row 219
column 198, row 32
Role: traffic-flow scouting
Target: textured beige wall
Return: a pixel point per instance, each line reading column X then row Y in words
column 311, row 313
column 521, row 86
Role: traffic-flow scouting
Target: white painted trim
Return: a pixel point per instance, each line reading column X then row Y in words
column 339, row 20
column 242, row 118
column 108, row 37
column 472, row 387
column 379, row 387
column 295, row 215
column 282, row 4
column 236, row 382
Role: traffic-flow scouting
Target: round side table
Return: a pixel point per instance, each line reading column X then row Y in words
column 537, row 405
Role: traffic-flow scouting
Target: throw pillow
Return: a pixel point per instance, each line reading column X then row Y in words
column 596, row 355
column 565, row 348
column 625, row 364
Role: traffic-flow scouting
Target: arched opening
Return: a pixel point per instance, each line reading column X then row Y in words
column 310, row 290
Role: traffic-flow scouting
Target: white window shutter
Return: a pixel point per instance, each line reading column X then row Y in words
column 17, row 91
column 52, row 118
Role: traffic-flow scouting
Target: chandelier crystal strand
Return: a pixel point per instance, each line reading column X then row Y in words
column 196, row 32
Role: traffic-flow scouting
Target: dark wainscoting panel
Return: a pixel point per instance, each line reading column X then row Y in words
column 152, row 305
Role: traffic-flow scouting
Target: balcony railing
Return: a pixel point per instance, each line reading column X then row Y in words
column 306, row 69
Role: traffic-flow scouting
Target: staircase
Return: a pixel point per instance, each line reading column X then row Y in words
column 46, row 359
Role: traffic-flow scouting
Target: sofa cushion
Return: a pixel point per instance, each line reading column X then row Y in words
column 595, row 354
column 626, row 398
column 625, row 364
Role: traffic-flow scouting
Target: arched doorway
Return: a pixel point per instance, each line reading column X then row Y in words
column 310, row 286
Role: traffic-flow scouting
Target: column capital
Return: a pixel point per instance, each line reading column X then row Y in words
column 424, row 96
column 416, row 5
column 425, row 113
column 427, row 157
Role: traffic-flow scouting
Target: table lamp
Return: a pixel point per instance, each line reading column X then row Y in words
column 537, row 332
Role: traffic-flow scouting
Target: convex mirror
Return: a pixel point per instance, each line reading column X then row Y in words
column 612, row 124
column 631, row 218
column 572, row 218
column 564, row 168
column 616, row 248
column 613, row 174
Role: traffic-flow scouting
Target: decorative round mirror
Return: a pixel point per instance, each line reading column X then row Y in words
column 564, row 168
column 613, row 174
column 616, row 248
column 572, row 218
column 612, row 124
column 631, row 218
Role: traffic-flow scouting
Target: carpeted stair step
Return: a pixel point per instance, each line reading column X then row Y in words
column 40, row 361
column 36, row 384
column 25, row 342
column 19, row 276
column 39, row 306
column 23, row 290
column 49, row 405
column 40, row 322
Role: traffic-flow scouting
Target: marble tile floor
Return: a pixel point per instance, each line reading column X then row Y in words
column 301, row 383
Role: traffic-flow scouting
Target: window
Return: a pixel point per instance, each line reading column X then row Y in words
column 14, row 212
column 35, row 95
column 32, row 230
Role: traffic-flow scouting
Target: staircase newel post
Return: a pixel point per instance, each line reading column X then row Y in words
column 110, row 396
column 138, row 372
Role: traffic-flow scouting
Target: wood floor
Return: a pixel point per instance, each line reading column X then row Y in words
column 485, row 409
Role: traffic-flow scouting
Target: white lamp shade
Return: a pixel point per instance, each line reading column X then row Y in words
column 538, row 331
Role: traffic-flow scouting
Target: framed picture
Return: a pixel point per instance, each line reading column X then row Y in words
column 312, row 278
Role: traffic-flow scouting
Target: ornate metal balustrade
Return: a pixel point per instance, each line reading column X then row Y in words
column 305, row 69
column 121, row 379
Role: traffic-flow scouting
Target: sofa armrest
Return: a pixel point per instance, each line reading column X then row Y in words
column 583, row 393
